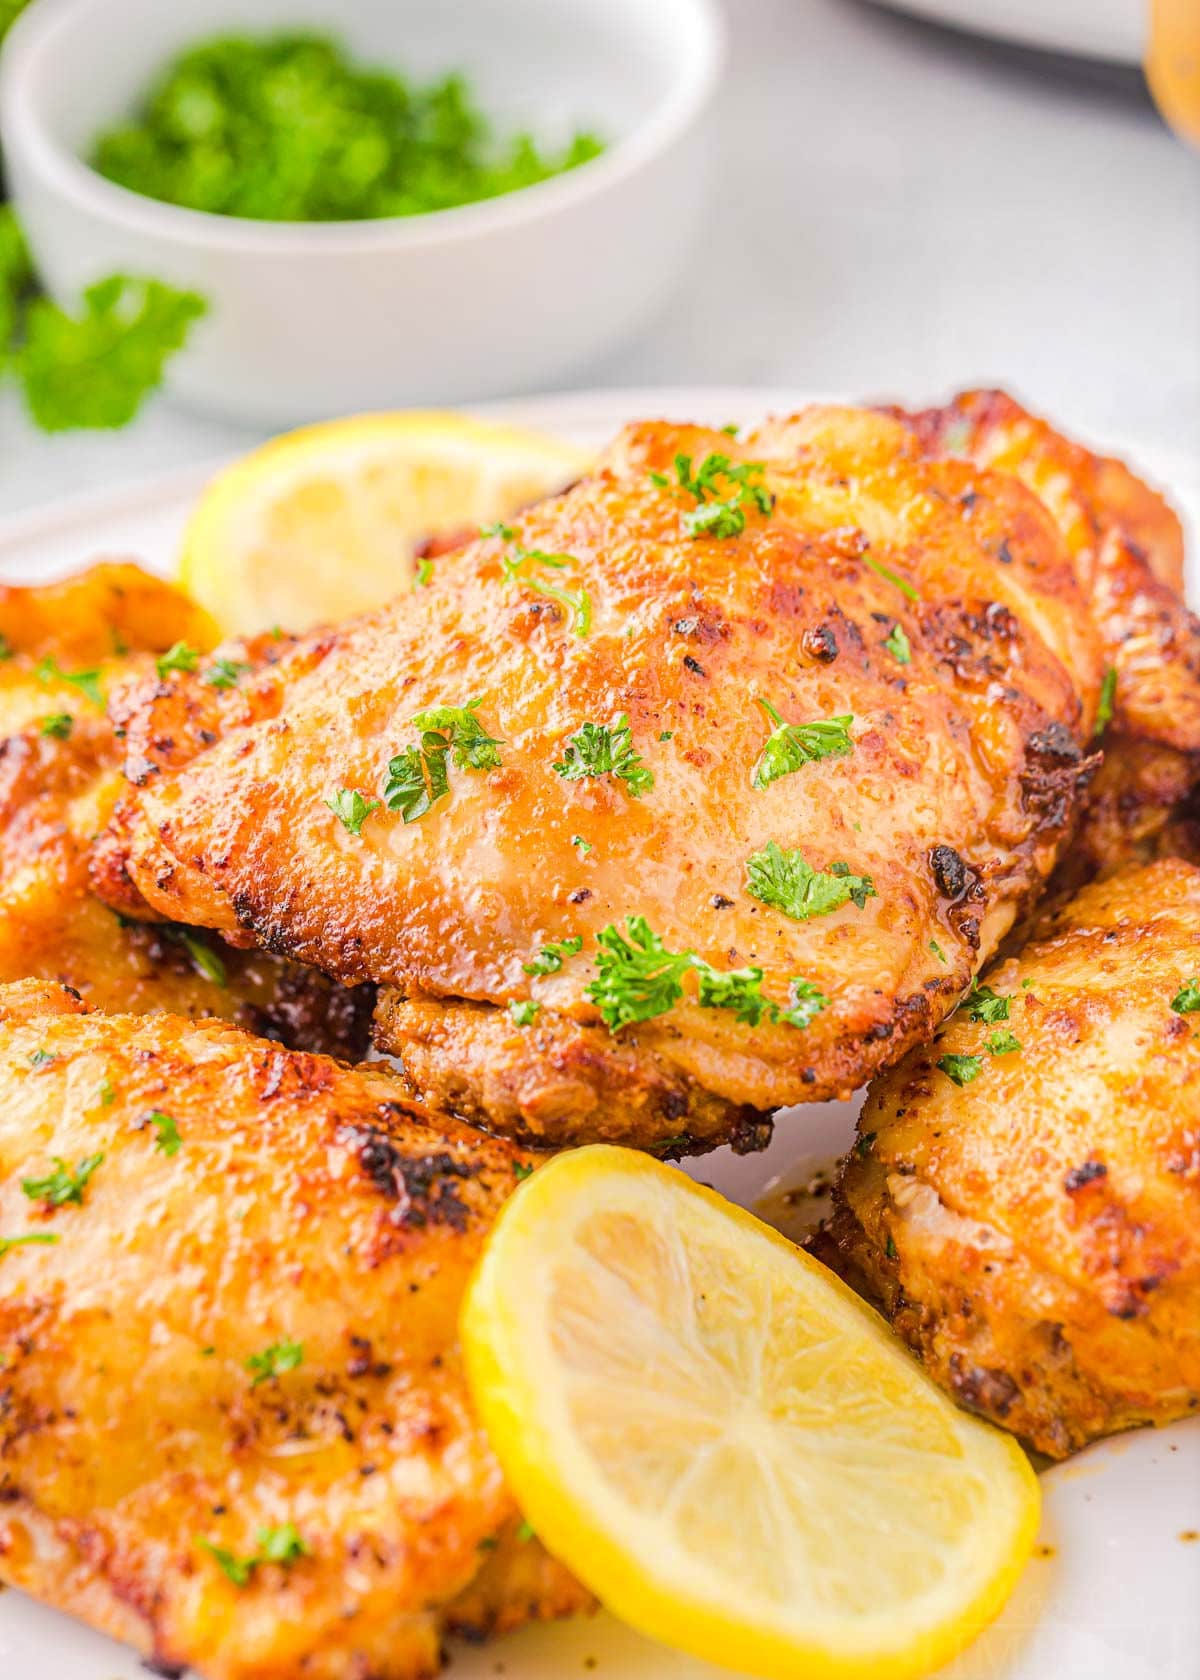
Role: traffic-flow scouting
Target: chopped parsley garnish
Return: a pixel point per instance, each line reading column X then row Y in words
column 1187, row 999
column 204, row 959
column 6, row 647
column 64, row 1184
column 178, row 657
column 666, row 734
column 522, row 1169
column 273, row 1361
column 287, row 126
column 27, row 1241
column 87, row 682
column 787, row 881
column 739, row 989
column 889, row 576
column 282, row 1545
column 1002, row 1042
column 224, row 673
column 351, row 809
column 983, row 1004
column 516, row 570
column 890, row 1249
column 167, row 1138
column 239, row 1570
column 57, row 726
column 1108, row 695
column 524, row 1011
column 937, row 951
column 41, row 1058
column 423, row 575
column 720, row 509
column 790, row 746
column 807, row 1002
column 961, row 1069
column 525, row 1532
column 898, row 645
column 637, row 977
column 550, row 958
column 862, row 1145
column 585, row 846
column 105, row 1095
column 598, row 749
column 419, row 776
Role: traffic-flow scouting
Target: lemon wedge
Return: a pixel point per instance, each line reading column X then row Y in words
column 323, row 522
column 723, row 1442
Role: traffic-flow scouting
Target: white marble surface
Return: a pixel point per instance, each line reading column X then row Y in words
column 897, row 211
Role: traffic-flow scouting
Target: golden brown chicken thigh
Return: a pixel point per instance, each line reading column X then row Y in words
column 1024, row 1196
column 702, row 789
column 1127, row 546
column 68, row 647
column 234, row 1429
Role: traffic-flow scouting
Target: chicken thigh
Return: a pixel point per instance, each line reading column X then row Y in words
column 702, row 789
column 234, row 1429
column 1127, row 546
column 67, row 648
column 1024, row 1196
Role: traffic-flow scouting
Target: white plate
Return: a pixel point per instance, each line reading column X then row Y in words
column 1109, row 29
column 1118, row 1595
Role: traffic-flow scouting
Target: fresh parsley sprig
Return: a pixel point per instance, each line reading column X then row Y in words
column 961, row 1069
column 790, row 746
column 983, row 1004
column 720, row 509
column 598, row 749
column 48, row 670
column 786, row 881
column 351, row 809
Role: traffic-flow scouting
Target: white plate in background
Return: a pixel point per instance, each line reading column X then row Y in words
column 1107, row 29
column 1116, row 1595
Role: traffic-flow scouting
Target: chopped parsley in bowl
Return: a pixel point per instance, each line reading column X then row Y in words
column 286, row 128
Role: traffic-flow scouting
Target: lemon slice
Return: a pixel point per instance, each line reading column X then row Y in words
column 724, row 1442
column 323, row 522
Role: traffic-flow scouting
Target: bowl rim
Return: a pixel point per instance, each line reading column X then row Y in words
column 24, row 132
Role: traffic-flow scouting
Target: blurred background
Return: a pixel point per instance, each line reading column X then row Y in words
column 895, row 208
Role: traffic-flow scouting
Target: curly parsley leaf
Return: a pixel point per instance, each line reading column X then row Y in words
column 786, row 881
column 790, row 746
column 273, row 1361
column 524, row 1011
column 636, row 976
column 48, row 670
column 596, row 749
column 1002, row 1042
column 57, row 726
column 550, row 958
column 898, row 645
column 63, row 1184
column 224, row 673
column 166, row 1138
column 723, row 490
column 1187, row 999
column 983, row 1004
column 95, row 369
column 419, row 776
column 961, row 1069
column 807, row 1002
column 739, row 989
column 178, row 657
column 351, row 809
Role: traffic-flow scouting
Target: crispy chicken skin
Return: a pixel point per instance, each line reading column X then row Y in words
column 1035, row 1233
column 1127, row 546
column 247, row 1198
column 960, row 787
column 59, row 777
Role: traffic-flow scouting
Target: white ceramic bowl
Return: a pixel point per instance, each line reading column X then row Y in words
column 308, row 320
